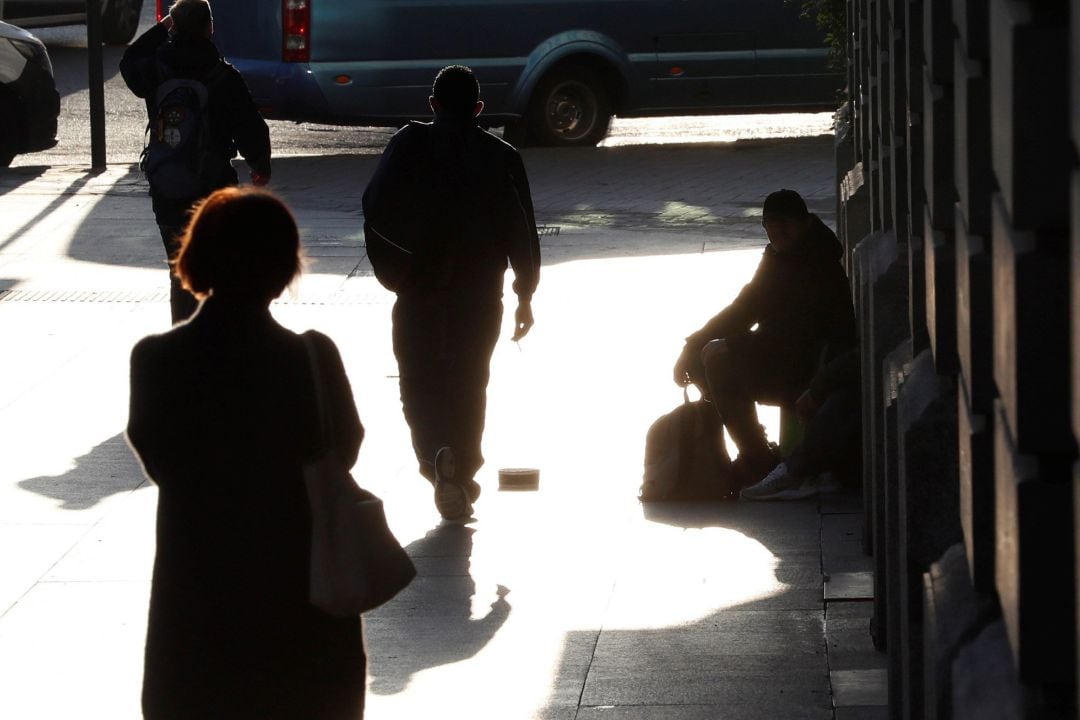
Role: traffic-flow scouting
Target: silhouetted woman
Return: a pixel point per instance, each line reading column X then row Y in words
column 223, row 416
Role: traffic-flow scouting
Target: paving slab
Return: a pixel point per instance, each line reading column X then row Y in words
column 850, row 586
column 847, row 630
column 873, row 712
column 701, row 712
column 852, row 688
column 841, row 544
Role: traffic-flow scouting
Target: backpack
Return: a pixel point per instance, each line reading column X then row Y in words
column 686, row 457
column 175, row 157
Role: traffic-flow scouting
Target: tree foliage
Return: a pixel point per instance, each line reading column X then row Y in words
column 830, row 16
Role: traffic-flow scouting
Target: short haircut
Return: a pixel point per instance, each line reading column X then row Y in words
column 784, row 204
column 191, row 17
column 242, row 241
column 456, row 89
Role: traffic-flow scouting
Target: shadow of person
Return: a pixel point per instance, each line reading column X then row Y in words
column 434, row 621
column 721, row 599
column 12, row 179
column 108, row 469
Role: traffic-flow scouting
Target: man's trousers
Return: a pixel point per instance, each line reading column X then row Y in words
column 443, row 346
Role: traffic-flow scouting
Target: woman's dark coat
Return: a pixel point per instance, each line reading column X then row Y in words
column 222, row 417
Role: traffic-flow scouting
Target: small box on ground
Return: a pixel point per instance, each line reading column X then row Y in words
column 519, row 479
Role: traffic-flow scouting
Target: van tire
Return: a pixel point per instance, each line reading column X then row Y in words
column 571, row 107
column 120, row 20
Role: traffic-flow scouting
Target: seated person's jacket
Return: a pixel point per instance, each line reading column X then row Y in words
column 800, row 302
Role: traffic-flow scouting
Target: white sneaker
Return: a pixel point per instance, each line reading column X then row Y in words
column 777, row 481
column 810, row 487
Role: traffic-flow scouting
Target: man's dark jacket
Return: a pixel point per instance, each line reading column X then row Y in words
column 234, row 122
column 447, row 207
column 801, row 304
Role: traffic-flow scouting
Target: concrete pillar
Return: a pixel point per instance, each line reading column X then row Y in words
column 929, row 506
column 863, row 80
column 916, row 195
column 1030, row 110
column 881, row 310
column 883, row 197
column 1034, row 571
column 953, row 614
column 974, row 301
column 938, row 182
column 974, row 312
column 895, row 371
column 897, row 120
column 872, row 164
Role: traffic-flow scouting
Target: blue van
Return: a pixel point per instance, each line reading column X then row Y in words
column 553, row 71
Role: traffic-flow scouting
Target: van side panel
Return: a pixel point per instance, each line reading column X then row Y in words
column 249, row 29
column 392, row 48
column 374, row 60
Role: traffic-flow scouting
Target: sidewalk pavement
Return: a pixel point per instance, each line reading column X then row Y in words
column 569, row 602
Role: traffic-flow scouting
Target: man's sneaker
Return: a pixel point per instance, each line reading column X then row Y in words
column 451, row 499
column 810, row 487
column 777, row 481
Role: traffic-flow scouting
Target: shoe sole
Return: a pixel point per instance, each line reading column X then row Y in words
column 452, row 501
column 758, row 498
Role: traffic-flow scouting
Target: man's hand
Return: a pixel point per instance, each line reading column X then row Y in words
column 523, row 320
column 259, row 180
column 806, row 406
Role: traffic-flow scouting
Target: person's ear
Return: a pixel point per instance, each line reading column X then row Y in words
column 434, row 104
column 478, row 108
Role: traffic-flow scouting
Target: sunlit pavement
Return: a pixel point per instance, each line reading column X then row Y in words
column 569, row 602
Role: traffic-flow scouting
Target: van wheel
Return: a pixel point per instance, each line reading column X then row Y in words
column 571, row 107
column 120, row 20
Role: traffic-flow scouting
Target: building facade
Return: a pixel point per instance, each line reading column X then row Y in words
column 958, row 185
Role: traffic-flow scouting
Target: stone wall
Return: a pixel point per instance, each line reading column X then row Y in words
column 959, row 191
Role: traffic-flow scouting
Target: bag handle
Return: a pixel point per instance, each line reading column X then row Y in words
column 322, row 401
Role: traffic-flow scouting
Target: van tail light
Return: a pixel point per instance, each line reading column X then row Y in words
column 162, row 9
column 296, row 30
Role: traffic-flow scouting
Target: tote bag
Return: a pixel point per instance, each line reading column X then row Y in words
column 356, row 562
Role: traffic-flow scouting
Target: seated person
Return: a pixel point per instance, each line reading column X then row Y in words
column 829, row 452
column 767, row 344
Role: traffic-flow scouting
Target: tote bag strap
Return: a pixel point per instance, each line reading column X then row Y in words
column 322, row 401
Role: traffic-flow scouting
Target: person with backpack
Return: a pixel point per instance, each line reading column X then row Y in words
column 768, row 343
column 447, row 209
column 200, row 116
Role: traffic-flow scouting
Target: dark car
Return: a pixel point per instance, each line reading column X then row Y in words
column 120, row 18
column 29, row 103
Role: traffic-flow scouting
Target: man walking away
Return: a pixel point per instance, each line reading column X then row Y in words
column 446, row 210
column 200, row 115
